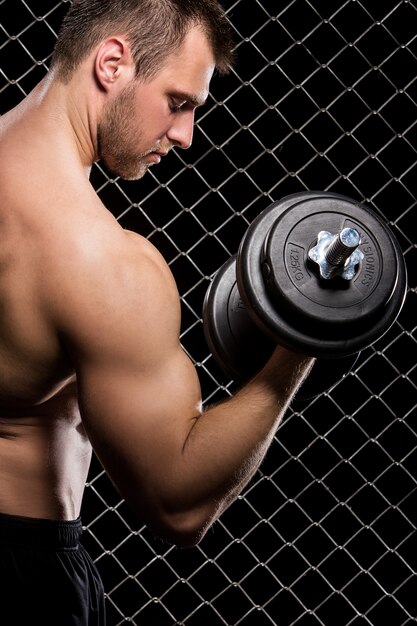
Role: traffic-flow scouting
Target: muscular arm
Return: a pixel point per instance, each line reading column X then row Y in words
column 177, row 466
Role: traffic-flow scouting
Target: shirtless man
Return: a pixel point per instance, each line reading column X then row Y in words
column 90, row 357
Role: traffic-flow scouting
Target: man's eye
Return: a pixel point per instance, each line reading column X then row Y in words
column 176, row 107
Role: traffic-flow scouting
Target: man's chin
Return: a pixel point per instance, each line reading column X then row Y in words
column 135, row 175
column 128, row 172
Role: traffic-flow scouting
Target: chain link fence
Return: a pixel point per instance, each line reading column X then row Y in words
column 323, row 97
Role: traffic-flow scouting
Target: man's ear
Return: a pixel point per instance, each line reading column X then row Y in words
column 113, row 63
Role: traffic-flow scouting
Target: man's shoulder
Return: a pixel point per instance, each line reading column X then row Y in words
column 102, row 248
column 104, row 271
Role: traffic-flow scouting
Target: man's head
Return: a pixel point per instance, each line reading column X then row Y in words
column 152, row 61
column 154, row 29
column 145, row 119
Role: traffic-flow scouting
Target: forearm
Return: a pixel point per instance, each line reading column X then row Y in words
column 226, row 445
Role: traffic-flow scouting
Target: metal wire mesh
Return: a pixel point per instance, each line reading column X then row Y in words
column 323, row 96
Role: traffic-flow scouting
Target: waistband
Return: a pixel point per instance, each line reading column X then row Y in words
column 57, row 534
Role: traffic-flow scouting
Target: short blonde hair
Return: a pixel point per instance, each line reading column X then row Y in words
column 154, row 29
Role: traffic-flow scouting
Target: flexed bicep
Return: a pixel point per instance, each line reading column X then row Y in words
column 138, row 392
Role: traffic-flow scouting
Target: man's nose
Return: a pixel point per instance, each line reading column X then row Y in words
column 181, row 132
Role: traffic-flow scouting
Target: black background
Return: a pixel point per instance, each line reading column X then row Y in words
column 322, row 97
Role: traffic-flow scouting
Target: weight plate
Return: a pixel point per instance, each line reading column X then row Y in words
column 241, row 349
column 293, row 280
column 237, row 344
column 296, row 320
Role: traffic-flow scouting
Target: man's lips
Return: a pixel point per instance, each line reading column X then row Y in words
column 155, row 157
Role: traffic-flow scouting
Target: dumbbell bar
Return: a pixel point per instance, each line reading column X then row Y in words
column 315, row 272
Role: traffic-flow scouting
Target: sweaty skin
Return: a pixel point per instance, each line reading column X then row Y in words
column 90, row 314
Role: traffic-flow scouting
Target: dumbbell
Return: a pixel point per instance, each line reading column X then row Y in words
column 315, row 272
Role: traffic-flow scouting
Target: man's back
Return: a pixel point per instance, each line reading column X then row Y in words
column 44, row 453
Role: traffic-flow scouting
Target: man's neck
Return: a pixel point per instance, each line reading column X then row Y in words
column 61, row 111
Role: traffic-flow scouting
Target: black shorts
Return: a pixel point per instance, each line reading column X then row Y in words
column 46, row 576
